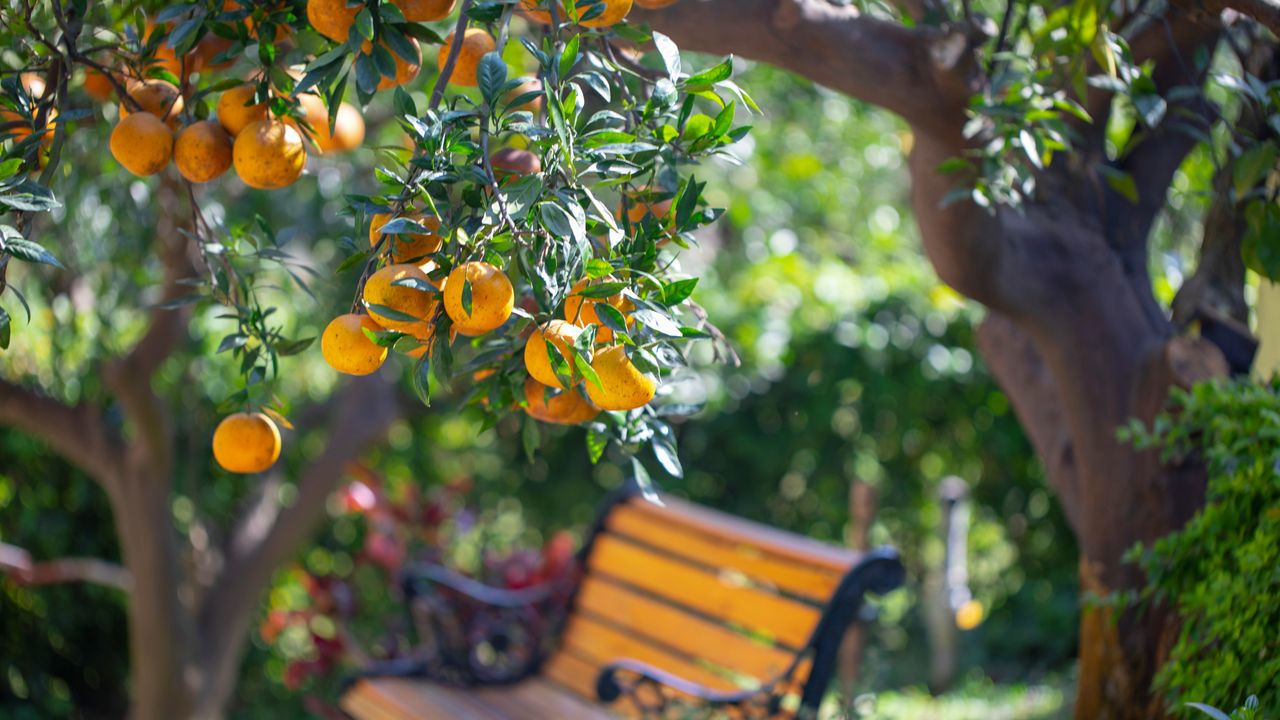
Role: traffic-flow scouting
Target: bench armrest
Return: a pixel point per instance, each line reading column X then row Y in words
column 469, row 633
column 645, row 686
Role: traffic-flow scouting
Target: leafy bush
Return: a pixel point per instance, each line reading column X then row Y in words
column 1222, row 571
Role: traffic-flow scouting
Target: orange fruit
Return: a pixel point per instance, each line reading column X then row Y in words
column 98, row 86
column 417, row 304
column 210, row 47
column 614, row 12
column 476, row 43
column 405, row 70
column 509, row 162
column 246, row 443
column 581, row 311
column 492, row 298
column 654, row 4
column 236, row 108
column 407, row 246
column 424, row 10
column 268, row 154
column 23, row 131
column 202, row 151
column 158, row 97
column 142, row 143
column 566, row 408
column 347, row 349
column 622, row 385
column 536, row 358
column 348, row 126
column 332, row 18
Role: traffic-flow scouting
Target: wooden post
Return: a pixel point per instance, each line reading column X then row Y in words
column 862, row 512
column 947, row 587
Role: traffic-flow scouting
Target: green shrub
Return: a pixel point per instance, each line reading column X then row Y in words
column 1222, row 571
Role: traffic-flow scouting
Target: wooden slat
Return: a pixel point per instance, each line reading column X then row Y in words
column 647, row 524
column 573, row 674
column 405, row 699
column 778, row 542
column 758, row 610
column 603, row 645
column 688, row 633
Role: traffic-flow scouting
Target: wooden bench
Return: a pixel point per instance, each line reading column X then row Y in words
column 677, row 611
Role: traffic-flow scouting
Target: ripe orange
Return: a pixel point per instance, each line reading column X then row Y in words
column 268, row 154
column 98, row 86
column 158, row 97
column 536, row 358
column 622, row 385
column 476, row 43
column 509, row 162
column 424, row 10
column 332, row 18
column 406, row 247
column 417, row 304
column 492, row 298
column 210, row 47
column 142, row 143
column 246, row 443
column 581, row 311
column 347, row 349
column 202, row 151
column 348, row 126
column 23, row 131
column 566, row 408
column 614, row 12
column 236, row 108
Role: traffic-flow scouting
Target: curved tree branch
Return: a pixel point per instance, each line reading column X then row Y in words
column 18, row 563
column 77, row 432
column 920, row 73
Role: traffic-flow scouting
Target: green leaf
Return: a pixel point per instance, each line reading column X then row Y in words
column 232, row 341
column 529, row 438
column 1252, row 166
column 364, row 24
column 1260, row 243
column 491, row 76
column 597, row 442
column 286, row 348
column 713, row 75
column 392, row 313
column 1212, row 712
column 30, row 196
column 1120, row 181
column 466, row 295
column 569, row 56
column 658, row 322
column 602, row 290
column 677, row 292
column 5, row 327
column 670, row 55
column 422, row 380
column 24, row 249
column 367, row 74
column 664, row 449
column 642, row 482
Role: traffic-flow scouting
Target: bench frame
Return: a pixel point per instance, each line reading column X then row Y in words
column 473, row 635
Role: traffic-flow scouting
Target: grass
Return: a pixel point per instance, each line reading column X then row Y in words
column 978, row 699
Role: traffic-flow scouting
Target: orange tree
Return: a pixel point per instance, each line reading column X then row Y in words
column 519, row 247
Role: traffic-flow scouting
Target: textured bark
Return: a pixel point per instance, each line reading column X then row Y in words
column 1075, row 336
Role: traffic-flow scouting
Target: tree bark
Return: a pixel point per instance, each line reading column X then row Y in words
column 1075, row 335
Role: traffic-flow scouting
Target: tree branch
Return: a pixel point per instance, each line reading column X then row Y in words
column 1266, row 12
column 17, row 562
column 269, row 534
column 76, row 432
column 924, row 74
column 1030, row 387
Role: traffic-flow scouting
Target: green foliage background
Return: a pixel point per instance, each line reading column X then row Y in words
column 1223, row 569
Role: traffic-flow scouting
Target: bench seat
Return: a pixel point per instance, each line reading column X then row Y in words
column 676, row 608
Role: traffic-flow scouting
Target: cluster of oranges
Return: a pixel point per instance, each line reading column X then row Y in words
column 400, row 297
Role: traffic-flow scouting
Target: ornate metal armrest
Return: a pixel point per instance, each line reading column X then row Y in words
column 645, row 686
column 469, row 633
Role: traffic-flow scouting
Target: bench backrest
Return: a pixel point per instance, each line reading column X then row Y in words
column 718, row 600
